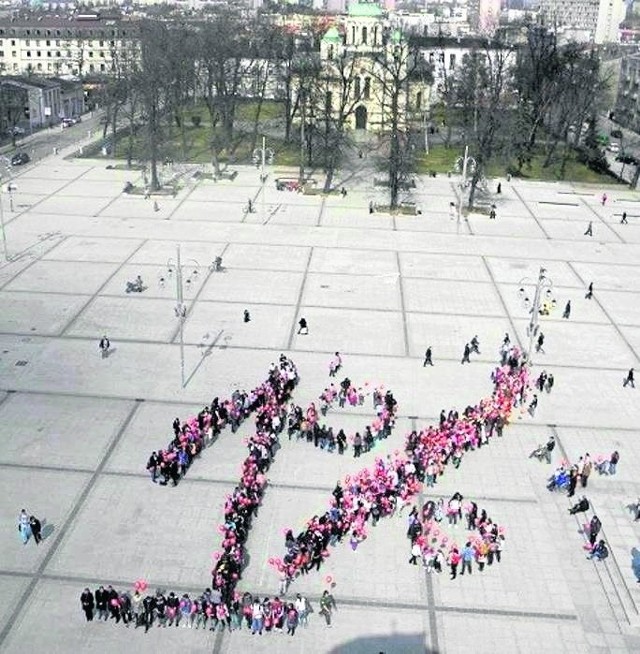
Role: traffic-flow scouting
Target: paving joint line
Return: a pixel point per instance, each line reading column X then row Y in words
column 50, row 195
column 259, row 348
column 95, row 295
column 184, row 198
column 441, row 252
column 300, row 296
column 53, row 548
column 33, row 261
column 533, row 215
column 606, row 313
column 602, row 220
column 363, row 602
column 323, row 206
column 502, row 302
column 194, row 479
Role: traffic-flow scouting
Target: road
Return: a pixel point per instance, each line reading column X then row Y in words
column 41, row 144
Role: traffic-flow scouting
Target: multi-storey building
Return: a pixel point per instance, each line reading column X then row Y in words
column 594, row 21
column 627, row 108
column 58, row 46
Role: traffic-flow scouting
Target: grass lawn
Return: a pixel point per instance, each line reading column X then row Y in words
column 443, row 160
column 197, row 147
column 270, row 110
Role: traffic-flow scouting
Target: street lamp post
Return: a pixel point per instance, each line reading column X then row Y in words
column 180, row 309
column 4, row 236
column 262, row 156
column 534, row 308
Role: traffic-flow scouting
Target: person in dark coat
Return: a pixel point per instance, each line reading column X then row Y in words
column 36, row 529
column 86, row 600
column 102, row 600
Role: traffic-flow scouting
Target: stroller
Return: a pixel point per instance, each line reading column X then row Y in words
column 558, row 481
column 136, row 286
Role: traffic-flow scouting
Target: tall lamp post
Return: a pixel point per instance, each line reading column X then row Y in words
column 543, row 286
column 180, row 309
column 262, row 156
column 6, row 162
column 465, row 164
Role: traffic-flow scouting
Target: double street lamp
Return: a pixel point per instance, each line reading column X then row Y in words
column 180, row 309
column 542, row 293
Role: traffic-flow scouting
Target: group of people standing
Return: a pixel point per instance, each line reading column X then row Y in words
column 198, row 432
column 431, row 546
column 206, row 611
column 376, row 492
column 306, row 424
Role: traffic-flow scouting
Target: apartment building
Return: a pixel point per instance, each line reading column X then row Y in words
column 55, row 46
column 591, row 21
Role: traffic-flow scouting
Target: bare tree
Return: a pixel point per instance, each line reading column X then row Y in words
column 397, row 70
column 337, row 93
column 482, row 88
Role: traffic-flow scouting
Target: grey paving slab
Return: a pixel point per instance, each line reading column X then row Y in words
column 37, row 313
column 48, row 494
column 12, row 589
column 268, row 257
column 352, row 291
column 114, row 509
column 59, row 277
column 86, row 206
column 452, row 297
column 443, row 266
column 103, row 249
column 71, row 432
column 238, row 285
column 123, row 317
column 45, row 624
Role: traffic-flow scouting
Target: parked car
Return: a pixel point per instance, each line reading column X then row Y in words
column 17, row 130
column 627, row 159
column 614, row 147
column 616, row 133
column 20, row 158
column 68, row 122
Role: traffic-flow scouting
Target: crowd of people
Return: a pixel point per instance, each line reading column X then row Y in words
column 431, row 545
column 198, row 432
column 375, row 492
column 208, row 611
column 306, row 425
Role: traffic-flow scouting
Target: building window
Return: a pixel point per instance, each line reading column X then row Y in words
column 1, row 53
column 27, row 43
column 58, row 53
column 452, row 61
column 38, row 66
column 330, row 53
column 28, row 53
column 367, row 88
column 327, row 101
column 38, row 53
column 419, row 100
column 353, row 34
column 13, row 42
column 356, row 87
column 431, row 57
column 14, row 54
column 364, row 35
column 103, row 67
column 90, row 54
column 48, row 53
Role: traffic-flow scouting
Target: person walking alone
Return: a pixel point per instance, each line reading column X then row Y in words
column 104, row 346
column 303, row 328
column 428, row 361
column 327, row 605
column 589, row 231
column 465, row 354
column 567, row 310
column 624, row 218
column 629, row 381
column 589, row 294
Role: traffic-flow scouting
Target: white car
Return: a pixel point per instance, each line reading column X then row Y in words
column 614, row 147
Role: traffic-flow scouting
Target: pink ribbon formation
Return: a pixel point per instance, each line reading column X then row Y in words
column 362, row 498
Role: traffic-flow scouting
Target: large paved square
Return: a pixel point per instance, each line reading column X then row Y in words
column 78, row 429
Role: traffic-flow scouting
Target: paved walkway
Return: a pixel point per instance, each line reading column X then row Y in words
column 78, row 429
